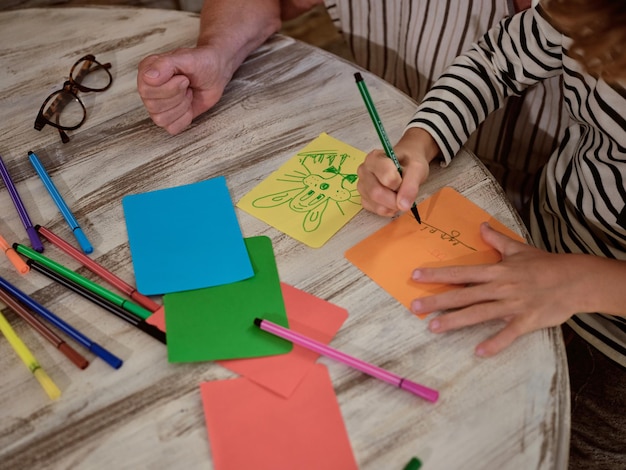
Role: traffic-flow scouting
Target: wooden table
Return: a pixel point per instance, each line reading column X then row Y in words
column 511, row 411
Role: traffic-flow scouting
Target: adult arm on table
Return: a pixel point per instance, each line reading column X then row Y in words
column 179, row 85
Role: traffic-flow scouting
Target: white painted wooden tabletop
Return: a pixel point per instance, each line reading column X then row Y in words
column 508, row 412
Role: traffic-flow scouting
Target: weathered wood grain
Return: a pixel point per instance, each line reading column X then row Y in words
column 507, row 412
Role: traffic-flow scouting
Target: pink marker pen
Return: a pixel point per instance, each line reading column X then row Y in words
column 370, row 369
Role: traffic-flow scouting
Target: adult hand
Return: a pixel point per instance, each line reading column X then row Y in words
column 529, row 289
column 383, row 191
column 179, row 85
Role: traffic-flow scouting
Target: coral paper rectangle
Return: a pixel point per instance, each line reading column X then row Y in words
column 307, row 314
column 251, row 427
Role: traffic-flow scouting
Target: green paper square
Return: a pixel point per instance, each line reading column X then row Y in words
column 217, row 322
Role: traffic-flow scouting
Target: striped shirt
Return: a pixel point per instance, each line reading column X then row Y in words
column 579, row 204
column 410, row 43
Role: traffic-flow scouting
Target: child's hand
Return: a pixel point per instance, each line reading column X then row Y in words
column 529, row 289
column 383, row 191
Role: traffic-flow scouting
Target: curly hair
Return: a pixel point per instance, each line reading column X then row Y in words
column 598, row 31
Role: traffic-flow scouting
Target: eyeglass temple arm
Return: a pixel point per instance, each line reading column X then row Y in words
column 64, row 137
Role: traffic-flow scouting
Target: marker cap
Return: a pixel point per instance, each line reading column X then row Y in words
column 73, row 356
column 141, row 312
column 48, row 385
column 34, row 239
column 419, row 390
column 82, row 240
column 106, row 356
column 17, row 261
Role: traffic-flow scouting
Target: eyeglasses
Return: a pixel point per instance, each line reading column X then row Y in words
column 63, row 109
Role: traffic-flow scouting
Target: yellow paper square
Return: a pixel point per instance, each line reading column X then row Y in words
column 313, row 194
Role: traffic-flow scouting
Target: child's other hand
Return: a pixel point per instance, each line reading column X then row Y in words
column 529, row 289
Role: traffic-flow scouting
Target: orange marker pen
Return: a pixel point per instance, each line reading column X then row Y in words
column 17, row 261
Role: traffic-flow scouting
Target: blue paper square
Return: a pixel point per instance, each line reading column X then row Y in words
column 184, row 238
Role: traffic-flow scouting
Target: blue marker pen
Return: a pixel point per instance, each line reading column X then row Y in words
column 61, row 204
column 72, row 332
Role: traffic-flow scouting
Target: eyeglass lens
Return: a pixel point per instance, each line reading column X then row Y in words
column 90, row 75
column 64, row 109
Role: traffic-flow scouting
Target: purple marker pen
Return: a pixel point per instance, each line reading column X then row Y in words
column 21, row 210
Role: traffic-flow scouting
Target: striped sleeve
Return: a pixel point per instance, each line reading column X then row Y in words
column 560, row 132
column 479, row 81
column 410, row 42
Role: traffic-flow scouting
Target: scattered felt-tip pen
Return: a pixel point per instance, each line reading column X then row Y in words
column 21, row 209
column 13, row 257
column 66, row 328
column 87, row 283
column 365, row 367
column 380, row 130
column 97, row 269
column 81, row 238
column 106, row 304
column 54, row 339
column 28, row 359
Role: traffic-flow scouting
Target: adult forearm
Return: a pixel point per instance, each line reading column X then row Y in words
column 238, row 27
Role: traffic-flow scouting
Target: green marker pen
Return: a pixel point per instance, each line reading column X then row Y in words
column 382, row 135
column 414, row 464
column 83, row 281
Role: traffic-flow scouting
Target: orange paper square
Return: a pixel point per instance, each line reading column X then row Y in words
column 449, row 235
